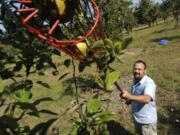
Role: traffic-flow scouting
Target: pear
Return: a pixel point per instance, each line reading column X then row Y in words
column 61, row 5
column 82, row 46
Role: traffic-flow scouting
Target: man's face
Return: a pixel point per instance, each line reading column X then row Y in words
column 139, row 71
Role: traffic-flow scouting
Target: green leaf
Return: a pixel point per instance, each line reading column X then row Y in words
column 1, row 86
column 111, row 78
column 117, row 41
column 99, row 81
column 23, row 95
column 104, row 117
column 74, row 130
column 126, row 42
column 118, row 48
column 98, row 44
column 104, row 131
column 117, row 45
column 99, row 54
column 93, row 105
column 108, row 42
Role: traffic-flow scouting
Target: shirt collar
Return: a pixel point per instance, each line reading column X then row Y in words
column 142, row 80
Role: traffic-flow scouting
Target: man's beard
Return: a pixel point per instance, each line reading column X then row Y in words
column 137, row 77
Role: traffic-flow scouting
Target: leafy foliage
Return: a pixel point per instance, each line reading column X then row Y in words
column 174, row 4
column 92, row 120
column 147, row 12
column 28, row 51
column 93, row 105
column 111, row 78
column 165, row 9
column 104, row 52
column 116, row 15
column 92, row 117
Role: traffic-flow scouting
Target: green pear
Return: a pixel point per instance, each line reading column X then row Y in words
column 82, row 47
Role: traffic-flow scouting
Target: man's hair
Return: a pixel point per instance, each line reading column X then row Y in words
column 142, row 62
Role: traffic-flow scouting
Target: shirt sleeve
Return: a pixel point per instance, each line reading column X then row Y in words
column 150, row 89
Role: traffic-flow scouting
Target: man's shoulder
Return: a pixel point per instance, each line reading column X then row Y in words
column 149, row 80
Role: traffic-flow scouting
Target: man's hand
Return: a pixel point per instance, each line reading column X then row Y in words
column 125, row 95
column 143, row 99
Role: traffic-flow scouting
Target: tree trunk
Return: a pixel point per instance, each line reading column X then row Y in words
column 156, row 22
column 177, row 21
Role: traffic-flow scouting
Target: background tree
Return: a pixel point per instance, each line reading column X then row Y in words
column 147, row 12
column 165, row 9
column 175, row 6
column 142, row 12
column 116, row 16
column 171, row 7
column 154, row 12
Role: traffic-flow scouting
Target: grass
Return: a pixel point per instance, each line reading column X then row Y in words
column 163, row 67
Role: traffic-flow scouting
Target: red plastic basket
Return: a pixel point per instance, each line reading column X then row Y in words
column 78, row 27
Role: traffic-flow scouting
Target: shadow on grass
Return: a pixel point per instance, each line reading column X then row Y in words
column 44, row 84
column 15, row 86
column 159, row 31
column 173, row 120
column 177, row 37
column 83, row 83
column 5, row 72
column 115, row 128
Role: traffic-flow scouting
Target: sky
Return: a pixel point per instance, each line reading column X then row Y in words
column 136, row 1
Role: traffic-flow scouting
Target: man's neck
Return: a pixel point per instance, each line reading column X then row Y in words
column 136, row 81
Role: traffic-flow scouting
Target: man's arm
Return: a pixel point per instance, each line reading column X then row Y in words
column 140, row 99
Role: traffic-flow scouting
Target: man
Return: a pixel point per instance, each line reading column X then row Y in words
column 143, row 100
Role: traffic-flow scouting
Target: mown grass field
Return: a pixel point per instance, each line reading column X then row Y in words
column 163, row 66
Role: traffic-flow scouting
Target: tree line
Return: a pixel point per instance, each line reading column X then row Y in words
column 121, row 15
column 117, row 16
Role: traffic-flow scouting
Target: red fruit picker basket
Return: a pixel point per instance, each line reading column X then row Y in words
column 61, row 23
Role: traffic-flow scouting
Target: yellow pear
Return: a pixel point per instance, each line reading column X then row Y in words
column 82, row 47
column 61, row 5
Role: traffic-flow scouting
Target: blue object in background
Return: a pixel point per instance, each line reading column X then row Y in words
column 163, row 42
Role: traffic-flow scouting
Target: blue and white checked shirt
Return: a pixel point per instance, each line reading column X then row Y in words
column 144, row 113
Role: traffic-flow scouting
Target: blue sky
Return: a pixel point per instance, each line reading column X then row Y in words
column 136, row 1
